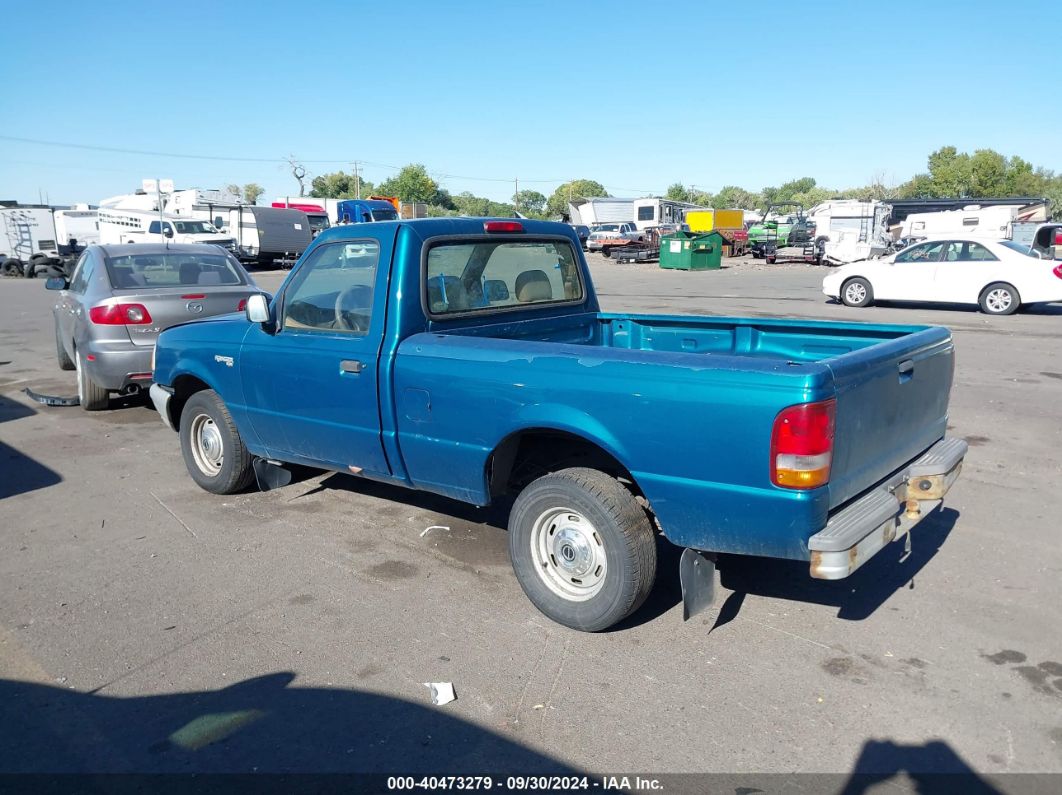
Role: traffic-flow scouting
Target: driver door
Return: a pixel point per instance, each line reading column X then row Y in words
column 311, row 387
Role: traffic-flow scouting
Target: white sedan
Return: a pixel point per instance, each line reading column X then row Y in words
column 997, row 275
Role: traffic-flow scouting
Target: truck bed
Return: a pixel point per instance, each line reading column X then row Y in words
column 716, row 383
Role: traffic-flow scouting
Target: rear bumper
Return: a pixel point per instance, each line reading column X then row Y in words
column 113, row 366
column 856, row 533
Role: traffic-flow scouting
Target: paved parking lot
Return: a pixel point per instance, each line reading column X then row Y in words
column 148, row 625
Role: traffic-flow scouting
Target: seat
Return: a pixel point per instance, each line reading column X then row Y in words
column 209, row 277
column 189, row 272
column 533, row 286
column 447, row 294
column 127, row 279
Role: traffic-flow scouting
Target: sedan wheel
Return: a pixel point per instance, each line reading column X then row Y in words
column 856, row 292
column 999, row 299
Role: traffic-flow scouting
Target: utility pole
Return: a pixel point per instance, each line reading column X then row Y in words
column 516, row 195
column 357, row 181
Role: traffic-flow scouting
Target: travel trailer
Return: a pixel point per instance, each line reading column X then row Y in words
column 971, row 221
column 33, row 231
column 848, row 230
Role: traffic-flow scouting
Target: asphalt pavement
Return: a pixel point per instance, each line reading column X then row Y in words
column 148, row 625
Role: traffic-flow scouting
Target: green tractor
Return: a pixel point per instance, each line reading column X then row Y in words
column 784, row 225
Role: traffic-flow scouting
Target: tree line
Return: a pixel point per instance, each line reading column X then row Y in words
column 949, row 174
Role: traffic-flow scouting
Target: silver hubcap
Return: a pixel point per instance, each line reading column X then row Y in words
column 855, row 293
column 207, row 448
column 569, row 554
column 999, row 300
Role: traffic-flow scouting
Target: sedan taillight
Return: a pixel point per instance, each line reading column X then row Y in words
column 120, row 315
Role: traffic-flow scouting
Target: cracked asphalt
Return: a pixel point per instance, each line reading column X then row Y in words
column 147, row 625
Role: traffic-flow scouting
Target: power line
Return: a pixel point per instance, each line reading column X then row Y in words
column 272, row 160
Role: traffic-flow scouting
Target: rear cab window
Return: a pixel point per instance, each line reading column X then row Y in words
column 486, row 276
column 132, row 271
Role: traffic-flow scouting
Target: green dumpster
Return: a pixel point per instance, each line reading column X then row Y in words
column 692, row 251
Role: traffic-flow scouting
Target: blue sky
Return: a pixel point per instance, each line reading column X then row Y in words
column 635, row 95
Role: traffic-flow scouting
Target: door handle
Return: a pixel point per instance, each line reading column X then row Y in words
column 350, row 366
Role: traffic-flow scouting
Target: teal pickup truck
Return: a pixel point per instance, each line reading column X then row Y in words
column 470, row 358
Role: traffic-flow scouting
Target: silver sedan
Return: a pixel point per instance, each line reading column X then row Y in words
column 118, row 300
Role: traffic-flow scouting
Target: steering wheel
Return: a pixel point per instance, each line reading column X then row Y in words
column 345, row 320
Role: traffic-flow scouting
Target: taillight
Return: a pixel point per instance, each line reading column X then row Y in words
column 120, row 315
column 1058, row 271
column 802, row 445
column 503, row 226
column 242, row 305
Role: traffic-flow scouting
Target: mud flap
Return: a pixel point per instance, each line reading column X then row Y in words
column 270, row 475
column 697, row 574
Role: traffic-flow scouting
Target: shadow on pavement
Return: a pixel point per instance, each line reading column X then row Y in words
column 856, row 596
column 933, row 767
column 19, row 473
column 258, row 725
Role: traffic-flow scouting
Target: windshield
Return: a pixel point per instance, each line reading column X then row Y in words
column 607, row 228
column 318, row 222
column 1018, row 247
column 194, row 228
column 384, row 215
column 173, row 270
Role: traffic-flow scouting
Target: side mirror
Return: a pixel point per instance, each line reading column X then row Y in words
column 257, row 309
column 167, row 232
column 495, row 290
column 56, row 283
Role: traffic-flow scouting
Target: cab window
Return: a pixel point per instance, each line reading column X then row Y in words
column 82, row 272
column 333, row 289
column 497, row 275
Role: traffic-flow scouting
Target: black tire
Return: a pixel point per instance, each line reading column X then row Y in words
column 205, row 415
column 619, row 545
column 65, row 362
column 770, row 260
column 857, row 292
column 999, row 298
column 91, row 395
column 12, row 267
column 606, row 253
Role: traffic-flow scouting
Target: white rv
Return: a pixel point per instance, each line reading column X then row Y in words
column 851, row 230
column 655, row 211
column 75, row 229
column 973, row 221
column 25, row 231
column 118, row 226
column 601, row 210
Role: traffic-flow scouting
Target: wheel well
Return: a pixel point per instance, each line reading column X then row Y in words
column 184, row 386
column 529, row 454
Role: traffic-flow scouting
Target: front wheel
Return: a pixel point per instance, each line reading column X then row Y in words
column 214, row 453
column 857, row 292
column 582, row 548
column 999, row 299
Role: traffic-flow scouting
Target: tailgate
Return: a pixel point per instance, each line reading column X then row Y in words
column 892, row 404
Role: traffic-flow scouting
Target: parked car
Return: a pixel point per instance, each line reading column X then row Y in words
column 950, row 270
column 583, row 233
column 110, row 312
column 606, row 236
column 470, row 358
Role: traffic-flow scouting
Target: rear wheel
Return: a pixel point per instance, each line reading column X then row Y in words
column 12, row 267
column 857, row 292
column 999, row 299
column 65, row 362
column 214, row 453
column 582, row 548
column 91, row 395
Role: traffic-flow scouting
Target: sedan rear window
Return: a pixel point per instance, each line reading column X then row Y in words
column 173, row 270
column 495, row 275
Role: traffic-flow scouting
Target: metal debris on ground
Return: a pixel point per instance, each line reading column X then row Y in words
column 441, row 692
column 52, row 400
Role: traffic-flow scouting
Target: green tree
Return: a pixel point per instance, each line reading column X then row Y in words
column 338, row 185
column 233, row 189
column 251, row 192
column 576, row 189
column 733, row 197
column 411, row 184
column 530, row 202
